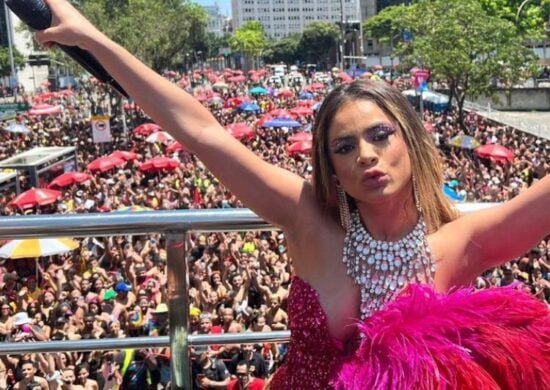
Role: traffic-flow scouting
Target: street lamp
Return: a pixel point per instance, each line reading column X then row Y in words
column 9, row 30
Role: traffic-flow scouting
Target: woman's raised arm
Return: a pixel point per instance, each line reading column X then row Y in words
column 273, row 193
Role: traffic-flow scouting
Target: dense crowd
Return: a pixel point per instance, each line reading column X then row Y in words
column 116, row 287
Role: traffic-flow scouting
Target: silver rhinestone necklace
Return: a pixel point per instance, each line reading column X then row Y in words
column 382, row 268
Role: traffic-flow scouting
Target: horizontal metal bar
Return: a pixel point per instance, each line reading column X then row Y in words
column 141, row 342
column 114, row 223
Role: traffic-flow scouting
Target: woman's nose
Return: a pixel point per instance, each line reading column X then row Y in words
column 366, row 154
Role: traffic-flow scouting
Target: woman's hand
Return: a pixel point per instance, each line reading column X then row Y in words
column 68, row 27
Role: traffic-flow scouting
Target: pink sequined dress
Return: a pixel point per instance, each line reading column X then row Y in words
column 497, row 338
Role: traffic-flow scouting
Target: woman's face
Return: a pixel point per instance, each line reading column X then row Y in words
column 368, row 153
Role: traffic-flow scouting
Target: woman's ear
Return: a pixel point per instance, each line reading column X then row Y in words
column 335, row 180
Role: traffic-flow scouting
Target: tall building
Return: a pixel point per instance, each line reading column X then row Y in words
column 281, row 18
column 216, row 21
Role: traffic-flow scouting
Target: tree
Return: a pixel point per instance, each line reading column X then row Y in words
column 284, row 50
column 527, row 15
column 249, row 39
column 5, row 63
column 318, row 39
column 460, row 43
column 159, row 32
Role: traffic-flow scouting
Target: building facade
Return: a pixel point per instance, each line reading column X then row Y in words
column 281, row 18
column 217, row 22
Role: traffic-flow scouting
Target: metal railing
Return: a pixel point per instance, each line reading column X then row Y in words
column 175, row 224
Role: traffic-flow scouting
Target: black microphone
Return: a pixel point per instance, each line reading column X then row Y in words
column 37, row 15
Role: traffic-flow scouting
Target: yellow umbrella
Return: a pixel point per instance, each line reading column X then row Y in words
column 36, row 247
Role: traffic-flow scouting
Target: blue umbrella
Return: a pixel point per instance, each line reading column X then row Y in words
column 282, row 122
column 452, row 194
column 249, row 107
column 258, row 91
column 305, row 95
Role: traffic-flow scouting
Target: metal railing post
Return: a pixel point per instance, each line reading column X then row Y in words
column 178, row 310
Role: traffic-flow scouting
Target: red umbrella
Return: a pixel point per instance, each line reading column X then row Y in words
column 44, row 109
column 124, row 155
column 68, row 179
column 174, row 147
column 302, row 111
column 159, row 163
column 286, row 93
column 147, row 128
column 240, row 131
column 281, row 113
column 305, row 103
column 263, row 119
column 495, row 152
column 105, row 163
column 299, row 137
column 237, row 79
column 35, row 197
column 346, row 78
column 300, row 147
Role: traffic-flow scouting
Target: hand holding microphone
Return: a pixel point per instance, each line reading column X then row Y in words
column 37, row 15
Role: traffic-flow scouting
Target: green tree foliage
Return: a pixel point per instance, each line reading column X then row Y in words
column 249, row 39
column 460, row 43
column 159, row 32
column 285, row 50
column 5, row 64
column 318, row 39
column 527, row 15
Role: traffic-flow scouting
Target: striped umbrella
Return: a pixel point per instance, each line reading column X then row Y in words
column 36, row 247
column 464, row 142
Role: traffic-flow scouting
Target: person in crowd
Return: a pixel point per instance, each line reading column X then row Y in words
column 83, row 374
column 29, row 373
column 209, row 372
column 257, row 365
column 245, row 380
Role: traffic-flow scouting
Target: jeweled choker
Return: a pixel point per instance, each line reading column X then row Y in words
column 382, row 268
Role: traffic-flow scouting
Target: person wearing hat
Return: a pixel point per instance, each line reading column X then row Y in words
column 24, row 330
column 158, row 323
column 124, row 297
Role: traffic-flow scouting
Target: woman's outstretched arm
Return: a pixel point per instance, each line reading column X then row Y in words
column 273, row 193
column 493, row 236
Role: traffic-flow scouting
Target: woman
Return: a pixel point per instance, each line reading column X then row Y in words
column 369, row 150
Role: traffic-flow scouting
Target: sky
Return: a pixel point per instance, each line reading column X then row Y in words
column 225, row 5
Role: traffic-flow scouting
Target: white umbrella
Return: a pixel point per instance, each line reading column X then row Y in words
column 17, row 128
column 159, row 136
column 36, row 247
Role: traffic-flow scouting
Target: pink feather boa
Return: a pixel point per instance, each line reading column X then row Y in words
column 497, row 338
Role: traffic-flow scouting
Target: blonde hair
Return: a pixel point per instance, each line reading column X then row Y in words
column 425, row 161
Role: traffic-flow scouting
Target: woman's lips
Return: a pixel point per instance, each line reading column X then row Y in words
column 375, row 180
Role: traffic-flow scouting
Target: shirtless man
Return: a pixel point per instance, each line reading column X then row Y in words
column 276, row 317
column 28, row 370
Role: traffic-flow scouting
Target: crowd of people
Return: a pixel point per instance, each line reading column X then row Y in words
column 116, row 287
